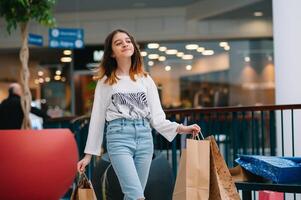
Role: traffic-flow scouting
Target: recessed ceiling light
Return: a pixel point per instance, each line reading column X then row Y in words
column 167, row 68
column 47, row 79
column 57, row 77
column 258, row 14
column 247, row 59
column 208, row 52
column 188, row 67
column 143, row 53
column 153, row 56
column 200, row 49
column 150, row 63
column 180, row 54
column 162, row 58
column 162, row 48
column 41, row 80
column 58, row 72
column 40, row 73
column 171, row 51
column 191, row 46
column 223, row 44
column 67, row 52
column 153, row 46
column 187, row 57
column 227, row 48
column 66, row 59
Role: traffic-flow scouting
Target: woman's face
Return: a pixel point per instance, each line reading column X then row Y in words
column 122, row 46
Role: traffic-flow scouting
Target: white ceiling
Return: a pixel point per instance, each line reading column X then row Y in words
column 93, row 5
column 264, row 6
column 63, row 6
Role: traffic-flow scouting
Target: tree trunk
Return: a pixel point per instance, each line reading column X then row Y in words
column 24, row 77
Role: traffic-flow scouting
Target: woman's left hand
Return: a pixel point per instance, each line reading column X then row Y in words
column 191, row 129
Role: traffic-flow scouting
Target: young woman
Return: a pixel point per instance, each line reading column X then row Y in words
column 127, row 99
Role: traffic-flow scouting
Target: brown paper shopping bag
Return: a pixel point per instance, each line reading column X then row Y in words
column 192, row 181
column 222, row 186
column 84, row 189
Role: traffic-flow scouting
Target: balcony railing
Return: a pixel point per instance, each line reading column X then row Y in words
column 238, row 130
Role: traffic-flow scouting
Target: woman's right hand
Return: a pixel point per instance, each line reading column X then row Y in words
column 81, row 165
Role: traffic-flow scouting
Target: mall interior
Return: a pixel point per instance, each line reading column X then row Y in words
column 231, row 66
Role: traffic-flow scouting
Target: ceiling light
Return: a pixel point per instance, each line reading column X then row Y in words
column 162, row 58
column 143, row 53
column 227, row 48
column 150, row 63
column 167, row 68
column 58, row 72
column 97, row 55
column 40, row 73
column 36, row 81
column 162, row 48
column 200, row 49
column 171, row 51
column 67, row 52
column 180, row 54
column 208, row 52
column 247, row 59
column 187, row 57
column 66, row 59
column 41, row 80
column 223, row 44
column 191, row 46
column 188, row 67
column 258, row 14
column 57, row 77
column 63, row 79
column 153, row 56
column 153, row 46
column 47, row 79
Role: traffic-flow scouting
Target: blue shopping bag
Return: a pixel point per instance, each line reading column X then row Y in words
column 277, row 169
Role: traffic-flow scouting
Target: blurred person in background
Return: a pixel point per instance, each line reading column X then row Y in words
column 11, row 113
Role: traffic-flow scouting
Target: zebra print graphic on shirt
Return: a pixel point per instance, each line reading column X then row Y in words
column 133, row 101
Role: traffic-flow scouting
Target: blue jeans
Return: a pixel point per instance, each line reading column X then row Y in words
column 130, row 148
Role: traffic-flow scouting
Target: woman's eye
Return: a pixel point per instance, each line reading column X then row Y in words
column 129, row 41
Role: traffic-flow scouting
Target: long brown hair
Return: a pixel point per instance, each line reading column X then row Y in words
column 108, row 64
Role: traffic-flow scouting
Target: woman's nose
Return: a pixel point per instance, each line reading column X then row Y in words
column 124, row 44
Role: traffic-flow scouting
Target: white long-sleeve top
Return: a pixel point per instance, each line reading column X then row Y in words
column 126, row 99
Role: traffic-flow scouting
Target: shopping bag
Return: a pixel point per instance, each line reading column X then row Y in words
column 192, row 181
column 84, row 189
column 270, row 195
column 277, row 169
column 222, row 186
column 239, row 174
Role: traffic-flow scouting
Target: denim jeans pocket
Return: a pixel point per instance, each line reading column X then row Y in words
column 114, row 128
column 113, row 131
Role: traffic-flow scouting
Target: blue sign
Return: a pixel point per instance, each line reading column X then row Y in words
column 66, row 44
column 35, row 39
column 66, row 38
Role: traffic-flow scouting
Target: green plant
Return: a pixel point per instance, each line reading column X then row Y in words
column 18, row 13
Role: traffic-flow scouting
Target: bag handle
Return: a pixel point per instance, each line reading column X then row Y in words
column 83, row 180
column 197, row 137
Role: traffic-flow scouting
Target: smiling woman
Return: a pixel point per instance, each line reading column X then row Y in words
column 127, row 100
